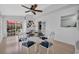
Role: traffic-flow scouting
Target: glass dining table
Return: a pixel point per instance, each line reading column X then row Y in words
column 37, row 41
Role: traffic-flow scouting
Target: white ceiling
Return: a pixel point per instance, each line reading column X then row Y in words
column 16, row 9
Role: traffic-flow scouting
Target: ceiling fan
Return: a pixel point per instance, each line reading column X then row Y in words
column 32, row 9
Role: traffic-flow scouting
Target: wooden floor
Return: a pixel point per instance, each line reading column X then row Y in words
column 15, row 48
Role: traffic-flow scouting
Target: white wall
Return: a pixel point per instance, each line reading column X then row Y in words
column 17, row 9
column 53, row 19
column 1, row 28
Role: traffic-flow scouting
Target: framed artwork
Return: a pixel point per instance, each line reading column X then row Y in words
column 69, row 21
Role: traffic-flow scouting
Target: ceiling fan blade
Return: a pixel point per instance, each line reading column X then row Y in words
column 38, row 10
column 27, row 11
column 34, row 6
column 31, row 6
column 25, row 6
column 33, row 12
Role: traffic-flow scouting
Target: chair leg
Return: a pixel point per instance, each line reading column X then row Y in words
column 36, row 48
column 47, row 50
column 27, row 50
column 39, row 49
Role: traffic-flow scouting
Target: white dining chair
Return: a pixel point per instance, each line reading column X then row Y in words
column 46, row 46
column 77, row 47
column 28, row 46
column 21, row 38
column 34, row 48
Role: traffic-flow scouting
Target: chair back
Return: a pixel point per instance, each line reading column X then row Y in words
column 51, row 37
column 22, row 36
